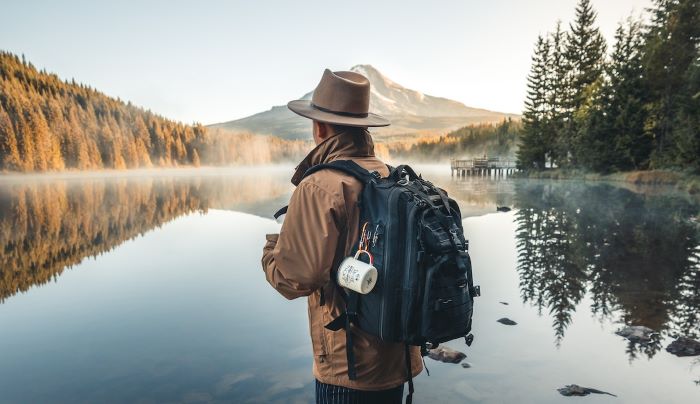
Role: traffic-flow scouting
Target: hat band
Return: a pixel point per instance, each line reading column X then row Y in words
column 361, row 115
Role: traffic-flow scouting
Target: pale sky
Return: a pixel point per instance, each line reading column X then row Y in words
column 213, row 61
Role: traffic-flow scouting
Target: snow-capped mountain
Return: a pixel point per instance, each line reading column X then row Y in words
column 411, row 112
column 392, row 99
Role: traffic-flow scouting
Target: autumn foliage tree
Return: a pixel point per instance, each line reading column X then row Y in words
column 50, row 124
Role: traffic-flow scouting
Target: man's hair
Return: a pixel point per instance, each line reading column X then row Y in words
column 351, row 130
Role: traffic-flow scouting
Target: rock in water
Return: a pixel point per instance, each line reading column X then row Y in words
column 506, row 321
column 576, row 390
column 445, row 354
column 684, row 346
column 636, row 333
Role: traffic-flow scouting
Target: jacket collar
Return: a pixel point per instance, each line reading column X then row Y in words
column 342, row 145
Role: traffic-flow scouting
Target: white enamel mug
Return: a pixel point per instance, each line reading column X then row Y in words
column 357, row 275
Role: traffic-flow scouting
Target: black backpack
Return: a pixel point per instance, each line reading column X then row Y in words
column 425, row 293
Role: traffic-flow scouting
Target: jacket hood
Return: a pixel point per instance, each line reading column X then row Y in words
column 342, row 145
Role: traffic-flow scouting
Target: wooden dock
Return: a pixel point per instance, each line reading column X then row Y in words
column 486, row 166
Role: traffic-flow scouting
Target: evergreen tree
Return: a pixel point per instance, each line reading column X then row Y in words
column 594, row 151
column 585, row 54
column 624, row 110
column 671, row 61
column 559, row 96
column 533, row 145
column 639, row 110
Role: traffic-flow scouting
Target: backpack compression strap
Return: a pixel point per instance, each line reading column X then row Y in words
column 344, row 320
column 409, row 374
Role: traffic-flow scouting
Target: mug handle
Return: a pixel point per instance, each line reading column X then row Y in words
column 359, row 252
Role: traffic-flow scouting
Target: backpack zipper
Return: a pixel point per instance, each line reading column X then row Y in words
column 393, row 198
column 408, row 263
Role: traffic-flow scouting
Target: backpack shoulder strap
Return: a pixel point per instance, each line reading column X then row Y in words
column 280, row 212
column 347, row 166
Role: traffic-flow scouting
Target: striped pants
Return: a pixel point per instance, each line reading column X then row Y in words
column 330, row 394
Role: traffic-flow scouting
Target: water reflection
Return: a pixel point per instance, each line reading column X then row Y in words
column 47, row 225
column 476, row 195
column 182, row 313
column 636, row 255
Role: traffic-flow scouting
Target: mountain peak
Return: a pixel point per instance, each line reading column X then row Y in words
column 410, row 111
column 376, row 78
column 365, row 69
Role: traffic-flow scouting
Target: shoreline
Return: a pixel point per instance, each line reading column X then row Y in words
column 183, row 170
column 678, row 180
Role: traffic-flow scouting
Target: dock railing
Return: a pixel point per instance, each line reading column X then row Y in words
column 482, row 166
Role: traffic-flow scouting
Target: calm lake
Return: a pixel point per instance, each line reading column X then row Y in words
column 147, row 287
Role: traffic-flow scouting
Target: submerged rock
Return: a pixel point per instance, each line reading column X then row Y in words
column 506, row 321
column 576, row 390
column 684, row 346
column 466, row 365
column 445, row 354
column 636, row 333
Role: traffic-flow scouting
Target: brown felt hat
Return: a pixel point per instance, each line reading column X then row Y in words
column 340, row 98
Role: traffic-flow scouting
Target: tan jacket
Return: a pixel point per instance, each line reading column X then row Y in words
column 319, row 230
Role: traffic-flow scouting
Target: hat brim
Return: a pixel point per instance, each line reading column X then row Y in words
column 305, row 109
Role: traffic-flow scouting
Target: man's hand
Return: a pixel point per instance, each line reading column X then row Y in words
column 271, row 241
column 298, row 262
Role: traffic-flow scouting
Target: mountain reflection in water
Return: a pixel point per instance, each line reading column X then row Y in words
column 637, row 255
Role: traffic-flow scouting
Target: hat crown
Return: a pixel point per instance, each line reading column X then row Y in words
column 342, row 92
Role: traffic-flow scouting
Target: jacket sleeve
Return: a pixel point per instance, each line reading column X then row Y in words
column 299, row 260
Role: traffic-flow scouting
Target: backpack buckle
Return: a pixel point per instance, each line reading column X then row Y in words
column 475, row 291
column 455, row 238
column 468, row 339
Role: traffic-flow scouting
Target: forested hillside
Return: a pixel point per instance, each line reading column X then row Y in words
column 470, row 141
column 634, row 108
column 50, row 124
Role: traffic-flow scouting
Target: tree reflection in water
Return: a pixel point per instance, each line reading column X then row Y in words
column 49, row 225
column 636, row 255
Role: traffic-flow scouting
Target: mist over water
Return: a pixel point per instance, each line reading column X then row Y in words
column 146, row 286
